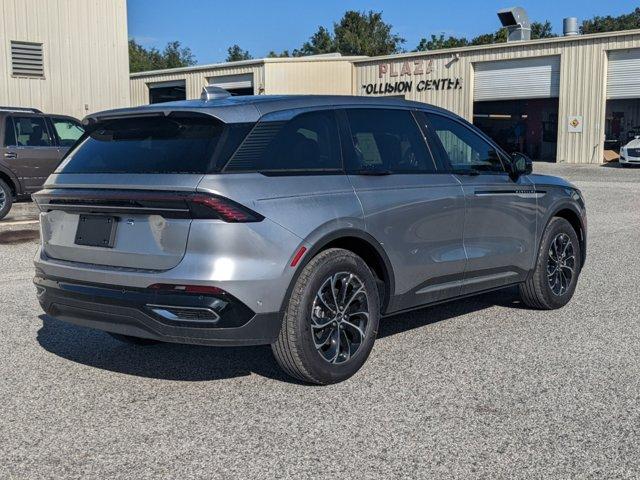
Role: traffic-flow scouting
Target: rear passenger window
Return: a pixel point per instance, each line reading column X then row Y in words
column 388, row 140
column 9, row 133
column 465, row 149
column 308, row 142
column 31, row 132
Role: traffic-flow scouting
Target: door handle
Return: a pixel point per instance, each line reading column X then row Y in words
column 10, row 155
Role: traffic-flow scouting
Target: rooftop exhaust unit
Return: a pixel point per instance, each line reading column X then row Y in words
column 516, row 20
column 570, row 27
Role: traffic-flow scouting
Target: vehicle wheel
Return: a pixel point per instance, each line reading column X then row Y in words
column 554, row 279
column 6, row 199
column 134, row 340
column 331, row 321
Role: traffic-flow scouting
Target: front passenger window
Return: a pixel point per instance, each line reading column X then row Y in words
column 464, row 149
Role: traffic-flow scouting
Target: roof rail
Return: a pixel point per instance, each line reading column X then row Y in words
column 211, row 92
column 19, row 109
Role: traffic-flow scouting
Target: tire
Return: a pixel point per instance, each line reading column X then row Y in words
column 548, row 286
column 6, row 199
column 134, row 340
column 308, row 320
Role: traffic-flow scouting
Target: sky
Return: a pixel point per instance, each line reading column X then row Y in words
column 209, row 27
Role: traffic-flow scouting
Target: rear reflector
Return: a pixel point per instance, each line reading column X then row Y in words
column 298, row 256
column 198, row 289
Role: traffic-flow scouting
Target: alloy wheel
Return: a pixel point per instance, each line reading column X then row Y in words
column 339, row 317
column 561, row 264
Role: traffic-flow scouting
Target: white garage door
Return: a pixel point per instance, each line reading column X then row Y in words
column 232, row 82
column 623, row 78
column 537, row 77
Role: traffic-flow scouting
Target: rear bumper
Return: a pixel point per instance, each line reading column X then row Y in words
column 126, row 311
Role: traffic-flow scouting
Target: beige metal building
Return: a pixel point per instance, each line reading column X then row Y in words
column 555, row 99
column 64, row 56
column 319, row 74
column 565, row 99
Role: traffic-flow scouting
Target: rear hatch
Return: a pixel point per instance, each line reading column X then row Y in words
column 125, row 195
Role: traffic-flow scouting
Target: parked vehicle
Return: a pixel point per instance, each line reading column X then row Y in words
column 294, row 221
column 31, row 147
column 630, row 153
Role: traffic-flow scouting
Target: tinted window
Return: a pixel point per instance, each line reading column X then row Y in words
column 178, row 143
column 464, row 148
column 308, row 142
column 388, row 140
column 31, row 132
column 67, row 130
column 9, row 133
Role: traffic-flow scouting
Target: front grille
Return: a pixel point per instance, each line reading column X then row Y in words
column 633, row 152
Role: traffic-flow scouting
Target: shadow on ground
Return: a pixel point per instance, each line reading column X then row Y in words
column 168, row 361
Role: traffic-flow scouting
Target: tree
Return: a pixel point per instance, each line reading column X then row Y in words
column 274, row 54
column 320, row 42
column 538, row 30
column 365, row 33
column 597, row 24
column 235, row 54
column 173, row 56
column 438, row 43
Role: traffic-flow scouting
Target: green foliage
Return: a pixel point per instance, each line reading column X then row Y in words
column 365, row 33
column 538, row 30
column 236, row 54
column 627, row 21
column 173, row 56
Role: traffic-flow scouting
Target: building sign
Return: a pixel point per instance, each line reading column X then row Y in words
column 407, row 77
column 575, row 124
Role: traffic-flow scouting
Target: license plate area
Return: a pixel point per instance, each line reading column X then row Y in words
column 96, row 231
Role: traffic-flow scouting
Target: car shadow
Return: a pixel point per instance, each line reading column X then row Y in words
column 168, row 361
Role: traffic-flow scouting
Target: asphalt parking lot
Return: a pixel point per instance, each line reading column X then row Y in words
column 477, row 388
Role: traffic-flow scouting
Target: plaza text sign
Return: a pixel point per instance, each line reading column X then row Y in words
column 406, row 77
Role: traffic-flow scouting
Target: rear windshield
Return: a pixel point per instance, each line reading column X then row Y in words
column 177, row 143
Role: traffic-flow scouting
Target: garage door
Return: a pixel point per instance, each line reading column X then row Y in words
column 232, row 82
column 537, row 77
column 623, row 78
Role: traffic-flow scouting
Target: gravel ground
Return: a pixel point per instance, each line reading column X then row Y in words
column 480, row 388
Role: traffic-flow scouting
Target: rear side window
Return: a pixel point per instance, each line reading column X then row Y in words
column 177, row 143
column 67, row 130
column 462, row 147
column 31, row 132
column 388, row 140
column 9, row 133
column 308, row 142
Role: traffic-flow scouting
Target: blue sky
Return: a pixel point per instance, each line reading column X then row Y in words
column 209, row 27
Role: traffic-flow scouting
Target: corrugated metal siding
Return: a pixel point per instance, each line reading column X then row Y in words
column 331, row 77
column 85, row 54
column 623, row 77
column 537, row 77
column 583, row 74
column 195, row 80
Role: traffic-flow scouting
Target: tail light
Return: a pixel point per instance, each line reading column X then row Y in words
column 166, row 204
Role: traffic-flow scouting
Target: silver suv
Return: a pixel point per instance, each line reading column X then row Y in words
column 295, row 221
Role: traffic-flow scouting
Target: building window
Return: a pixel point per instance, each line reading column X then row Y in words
column 27, row 59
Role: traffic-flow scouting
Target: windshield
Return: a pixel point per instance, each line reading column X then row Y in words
column 177, row 143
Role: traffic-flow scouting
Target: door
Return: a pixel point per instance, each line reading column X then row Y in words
column 31, row 152
column 412, row 206
column 500, row 221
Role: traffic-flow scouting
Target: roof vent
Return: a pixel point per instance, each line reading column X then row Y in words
column 570, row 27
column 516, row 20
column 210, row 92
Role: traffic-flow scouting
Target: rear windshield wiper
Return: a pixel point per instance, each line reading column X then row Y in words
column 372, row 171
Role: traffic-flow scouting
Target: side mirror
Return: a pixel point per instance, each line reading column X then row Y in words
column 520, row 165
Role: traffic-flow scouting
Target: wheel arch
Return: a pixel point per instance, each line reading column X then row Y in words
column 570, row 215
column 362, row 244
column 10, row 181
